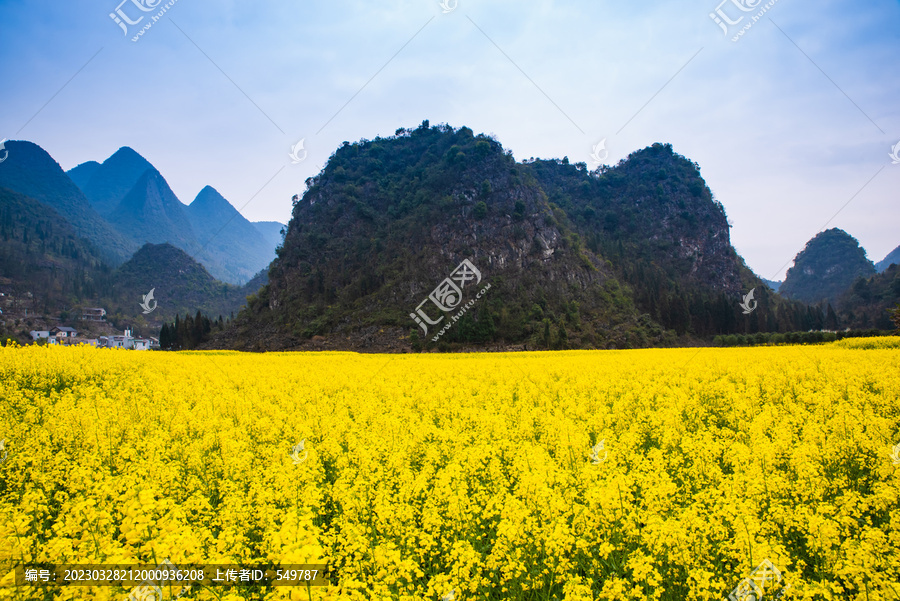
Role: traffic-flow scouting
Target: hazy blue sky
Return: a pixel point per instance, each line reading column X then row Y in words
column 788, row 124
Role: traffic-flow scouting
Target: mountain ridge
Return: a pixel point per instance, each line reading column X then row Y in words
column 81, row 174
column 151, row 212
column 111, row 182
column 220, row 229
column 221, row 238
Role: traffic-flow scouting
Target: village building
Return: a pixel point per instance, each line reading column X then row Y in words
column 63, row 332
column 126, row 341
column 93, row 314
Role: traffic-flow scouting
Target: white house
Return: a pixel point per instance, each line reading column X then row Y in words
column 64, row 332
column 127, row 341
column 114, row 341
column 38, row 334
column 138, row 344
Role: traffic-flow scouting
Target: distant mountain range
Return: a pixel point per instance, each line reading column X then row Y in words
column 239, row 245
column 107, row 184
column 774, row 285
column 48, row 269
column 151, row 212
column 30, row 171
column 128, row 191
column 125, row 202
column 105, row 234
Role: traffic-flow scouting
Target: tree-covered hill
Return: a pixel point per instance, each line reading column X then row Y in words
column 41, row 255
column 826, row 268
column 654, row 218
column 388, row 219
column 631, row 255
column 181, row 285
column 866, row 303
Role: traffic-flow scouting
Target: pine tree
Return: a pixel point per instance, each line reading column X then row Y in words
column 197, row 330
column 895, row 315
column 176, row 334
column 831, row 319
column 562, row 338
column 164, row 337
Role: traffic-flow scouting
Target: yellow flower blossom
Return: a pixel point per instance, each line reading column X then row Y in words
column 579, row 476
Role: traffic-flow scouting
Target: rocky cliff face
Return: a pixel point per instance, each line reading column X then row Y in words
column 653, row 206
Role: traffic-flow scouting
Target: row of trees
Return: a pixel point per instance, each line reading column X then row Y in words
column 764, row 338
column 190, row 332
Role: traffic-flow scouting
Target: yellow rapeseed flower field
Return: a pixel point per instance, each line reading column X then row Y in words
column 648, row 475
